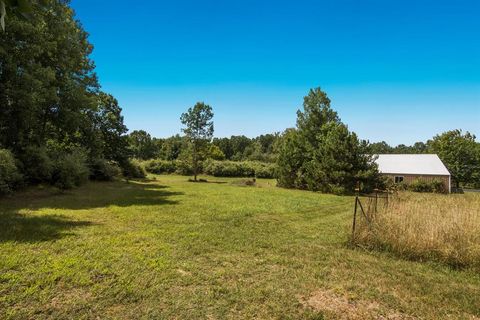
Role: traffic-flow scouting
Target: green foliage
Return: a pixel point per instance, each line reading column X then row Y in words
column 322, row 154
column 420, row 185
column 213, row 167
column 111, row 141
column 215, row 153
column 70, row 169
column 20, row 8
column 103, row 170
column 141, row 145
column 241, row 148
column 198, row 131
column 133, row 169
column 229, row 169
column 264, row 170
column 290, row 161
column 460, row 153
column 184, row 168
column 36, row 164
column 172, row 147
column 239, row 169
column 50, row 95
column 384, row 148
column 158, row 166
column 10, row 176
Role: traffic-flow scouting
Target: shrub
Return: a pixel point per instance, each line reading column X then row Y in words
column 419, row 185
column 70, row 169
column 10, row 177
column 133, row 169
column 228, row 169
column 184, row 168
column 264, row 170
column 239, row 169
column 103, row 170
column 160, row 166
column 37, row 165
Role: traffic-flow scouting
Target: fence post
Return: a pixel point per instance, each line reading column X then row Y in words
column 354, row 219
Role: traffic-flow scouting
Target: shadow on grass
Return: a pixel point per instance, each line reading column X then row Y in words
column 21, row 228
column 17, row 224
column 94, row 195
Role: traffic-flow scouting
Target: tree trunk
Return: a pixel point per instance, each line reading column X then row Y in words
column 195, row 160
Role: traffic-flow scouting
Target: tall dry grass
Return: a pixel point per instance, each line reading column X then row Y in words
column 443, row 228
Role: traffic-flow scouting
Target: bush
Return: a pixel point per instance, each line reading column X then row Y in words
column 239, row 169
column 160, row 166
column 228, row 169
column 133, row 169
column 103, row 170
column 10, row 177
column 264, row 170
column 37, row 165
column 70, row 169
column 426, row 186
column 184, row 168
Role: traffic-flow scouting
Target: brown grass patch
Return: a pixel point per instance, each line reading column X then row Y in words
column 340, row 307
column 436, row 227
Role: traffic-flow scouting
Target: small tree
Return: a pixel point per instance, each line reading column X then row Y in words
column 199, row 131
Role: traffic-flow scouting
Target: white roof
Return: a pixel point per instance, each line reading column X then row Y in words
column 427, row 164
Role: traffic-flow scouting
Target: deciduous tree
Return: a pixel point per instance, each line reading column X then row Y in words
column 459, row 152
column 199, row 132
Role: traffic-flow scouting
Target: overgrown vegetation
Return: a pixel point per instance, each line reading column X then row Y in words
column 435, row 186
column 214, row 168
column 428, row 227
column 239, row 169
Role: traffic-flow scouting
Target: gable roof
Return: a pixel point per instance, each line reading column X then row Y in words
column 427, row 164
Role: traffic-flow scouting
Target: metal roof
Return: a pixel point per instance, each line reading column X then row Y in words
column 427, row 164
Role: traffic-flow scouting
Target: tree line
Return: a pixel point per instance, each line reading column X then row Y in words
column 235, row 148
column 57, row 126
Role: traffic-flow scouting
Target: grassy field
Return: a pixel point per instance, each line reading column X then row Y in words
column 170, row 249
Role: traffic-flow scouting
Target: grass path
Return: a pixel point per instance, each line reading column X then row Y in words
column 170, row 249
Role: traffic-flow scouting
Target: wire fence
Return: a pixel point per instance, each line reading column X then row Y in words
column 367, row 206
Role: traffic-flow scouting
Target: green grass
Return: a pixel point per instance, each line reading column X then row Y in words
column 172, row 249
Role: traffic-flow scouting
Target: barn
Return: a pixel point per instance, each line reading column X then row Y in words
column 409, row 167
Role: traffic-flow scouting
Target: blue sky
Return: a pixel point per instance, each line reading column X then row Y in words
column 399, row 71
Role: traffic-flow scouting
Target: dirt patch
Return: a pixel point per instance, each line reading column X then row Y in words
column 70, row 298
column 336, row 306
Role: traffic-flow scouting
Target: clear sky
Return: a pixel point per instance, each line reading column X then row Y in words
column 399, row 71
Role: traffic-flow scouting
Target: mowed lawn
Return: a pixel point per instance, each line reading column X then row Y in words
column 172, row 249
